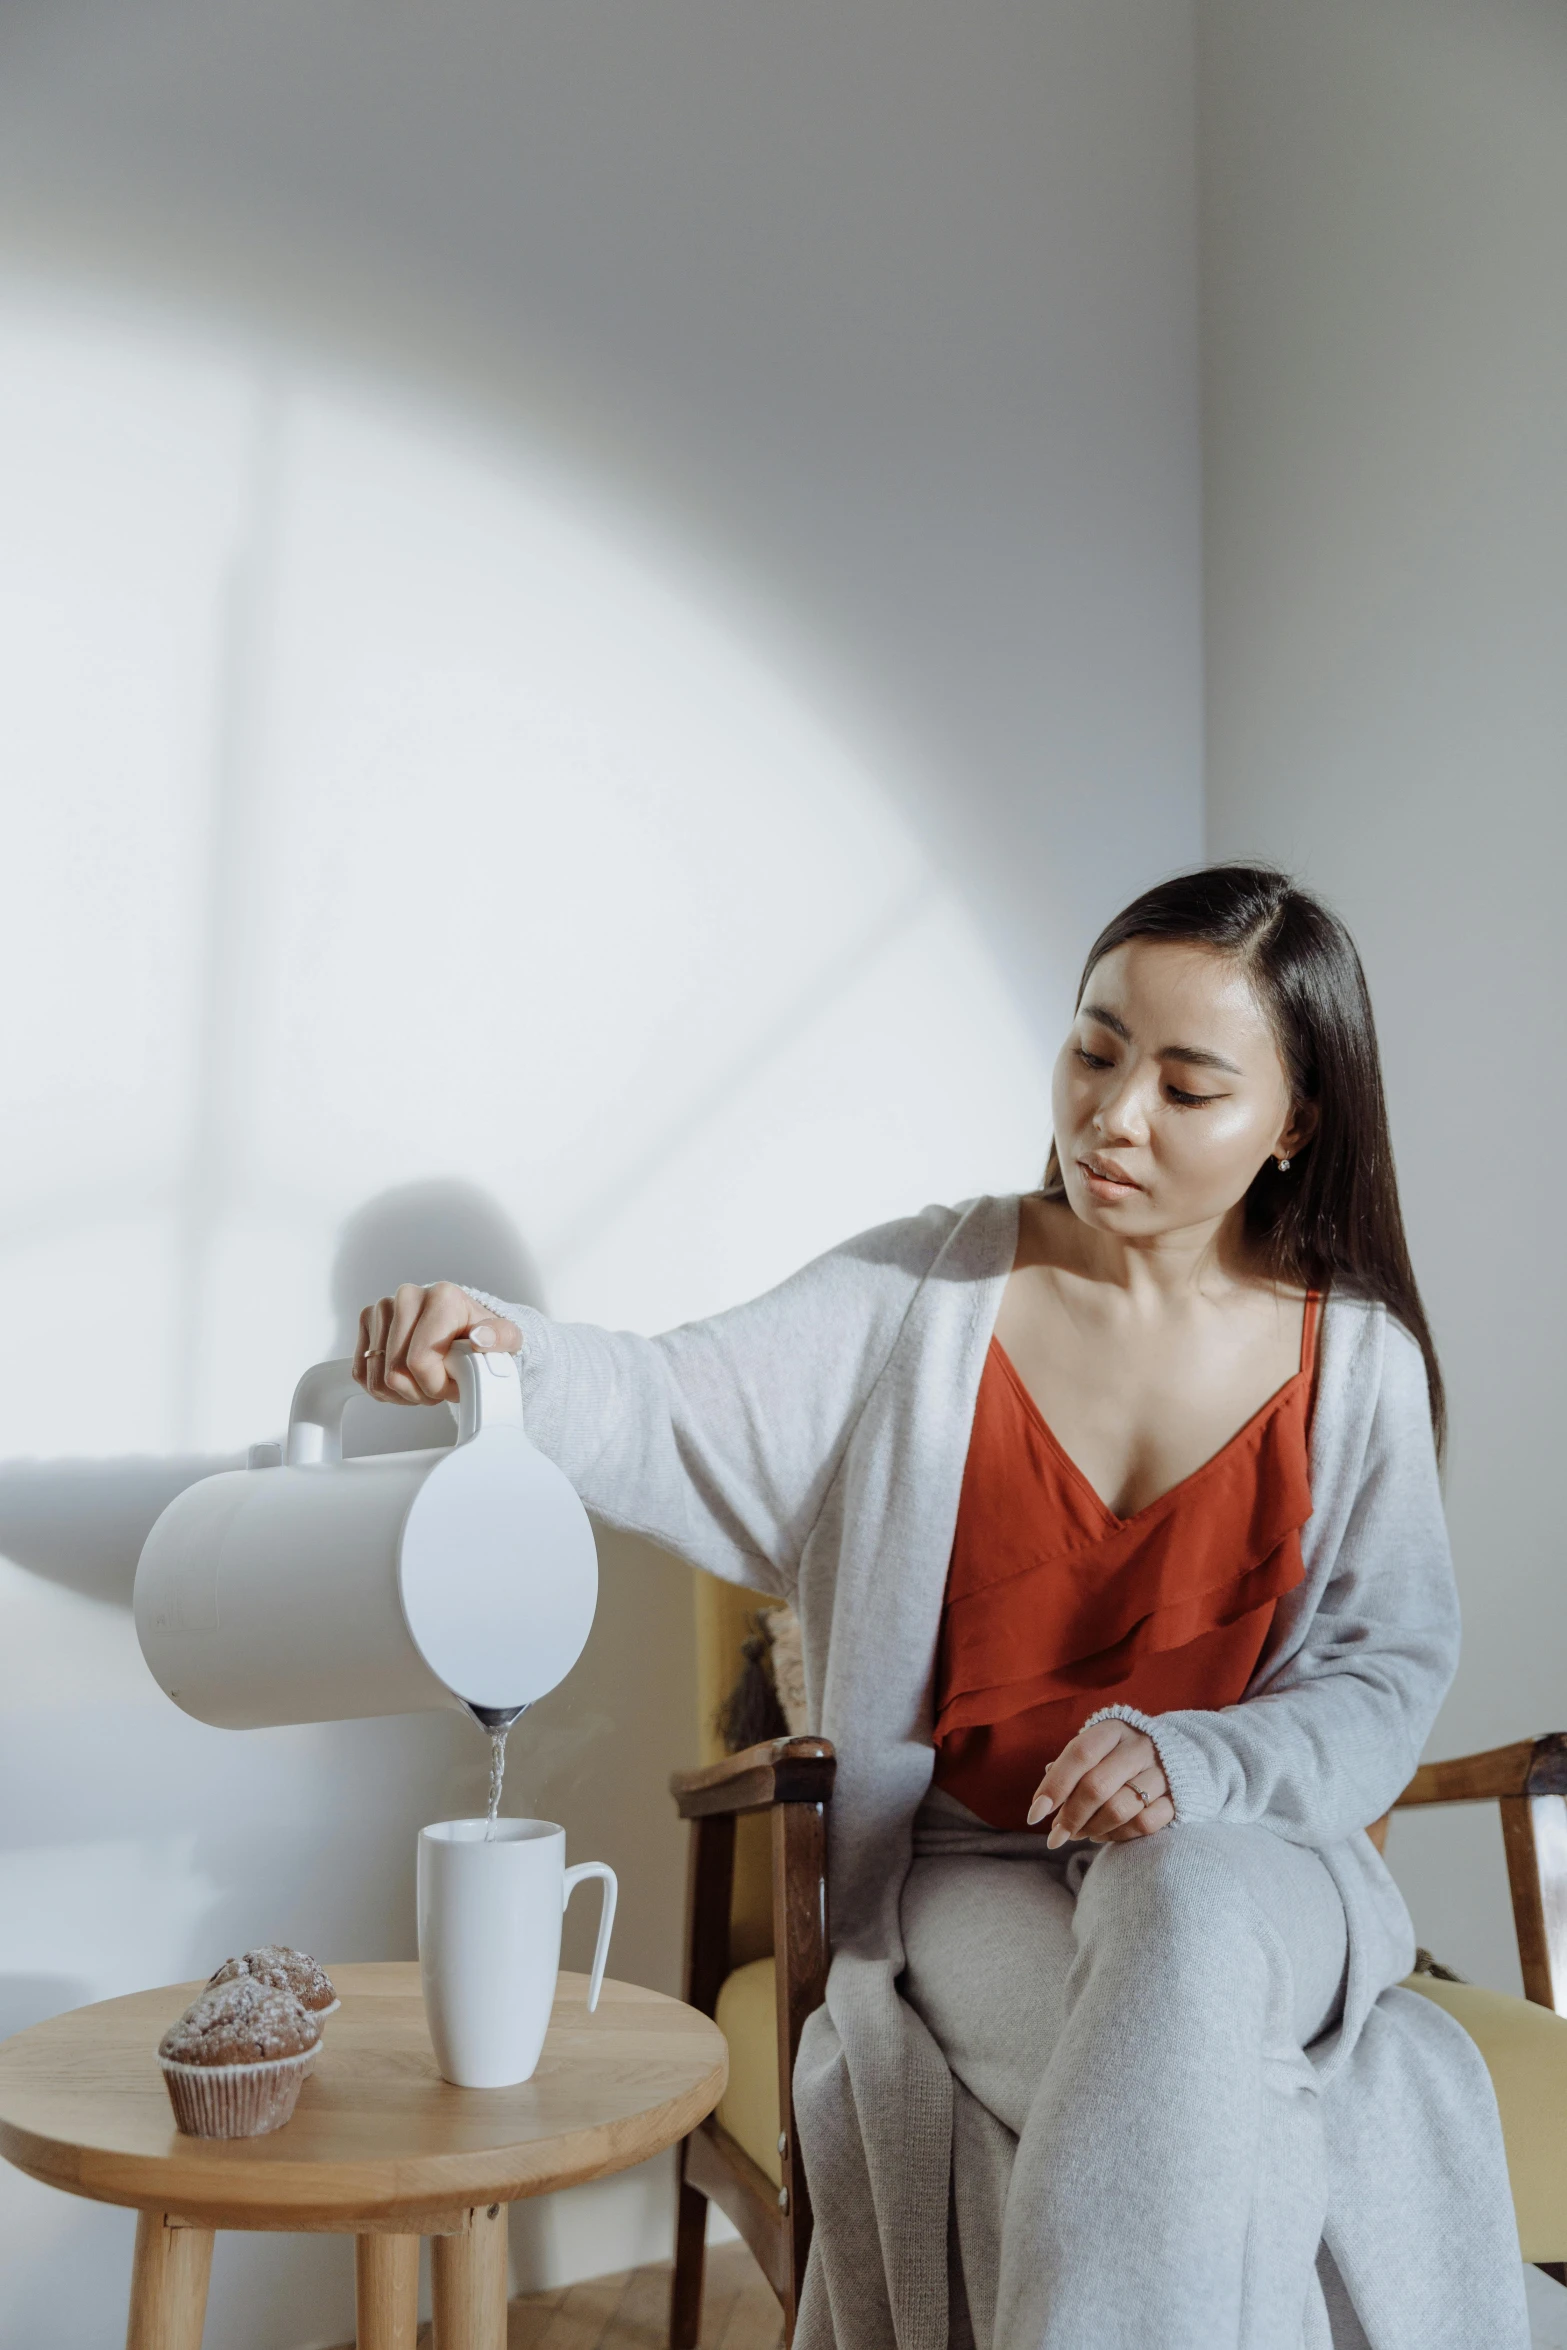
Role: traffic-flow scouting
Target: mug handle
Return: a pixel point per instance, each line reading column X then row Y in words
column 573, row 1878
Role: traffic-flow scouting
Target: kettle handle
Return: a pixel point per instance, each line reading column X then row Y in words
column 489, row 1395
column 315, row 1417
column 489, row 1390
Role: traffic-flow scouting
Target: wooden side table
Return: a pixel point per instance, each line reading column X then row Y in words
column 380, row 2147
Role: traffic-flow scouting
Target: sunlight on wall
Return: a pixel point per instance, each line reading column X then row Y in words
column 384, row 815
column 382, row 812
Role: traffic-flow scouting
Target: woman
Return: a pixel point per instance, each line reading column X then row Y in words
column 1111, row 1516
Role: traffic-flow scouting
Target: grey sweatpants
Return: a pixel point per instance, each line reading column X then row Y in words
column 1137, row 2151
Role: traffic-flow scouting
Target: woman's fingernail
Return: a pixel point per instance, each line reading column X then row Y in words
column 1057, row 1836
column 483, row 1337
column 1040, row 1809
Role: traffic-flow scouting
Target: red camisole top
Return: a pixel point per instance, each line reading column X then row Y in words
column 1056, row 1607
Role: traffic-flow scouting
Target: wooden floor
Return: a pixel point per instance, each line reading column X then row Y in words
column 631, row 2311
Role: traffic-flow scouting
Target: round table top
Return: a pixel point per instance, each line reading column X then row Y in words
column 377, row 2135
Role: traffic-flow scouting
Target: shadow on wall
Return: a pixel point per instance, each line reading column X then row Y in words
column 143, row 1847
column 82, row 1523
column 593, row 1755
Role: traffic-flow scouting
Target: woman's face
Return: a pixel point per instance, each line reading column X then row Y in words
column 1169, row 1092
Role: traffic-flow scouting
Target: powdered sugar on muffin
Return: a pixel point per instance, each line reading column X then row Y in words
column 240, row 2022
column 284, row 1970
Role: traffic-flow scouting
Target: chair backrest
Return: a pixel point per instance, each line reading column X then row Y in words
column 723, row 1624
column 1528, row 1783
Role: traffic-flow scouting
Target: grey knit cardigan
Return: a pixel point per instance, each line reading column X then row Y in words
column 812, row 1443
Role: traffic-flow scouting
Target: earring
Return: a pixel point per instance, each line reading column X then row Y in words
column 1284, row 1166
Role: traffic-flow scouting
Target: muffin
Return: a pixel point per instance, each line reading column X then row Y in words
column 286, row 1970
column 235, row 2062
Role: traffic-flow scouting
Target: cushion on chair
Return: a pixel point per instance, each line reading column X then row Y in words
column 1525, row 2049
column 748, row 2019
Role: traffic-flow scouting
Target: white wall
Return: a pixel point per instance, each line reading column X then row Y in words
column 711, row 500
column 1385, row 306
column 888, row 307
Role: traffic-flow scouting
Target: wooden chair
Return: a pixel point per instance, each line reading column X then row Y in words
column 744, row 2157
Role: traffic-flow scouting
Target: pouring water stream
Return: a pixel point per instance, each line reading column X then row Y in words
column 497, row 1780
column 496, row 1722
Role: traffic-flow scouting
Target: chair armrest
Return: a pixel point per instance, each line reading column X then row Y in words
column 1533, row 1766
column 782, row 1770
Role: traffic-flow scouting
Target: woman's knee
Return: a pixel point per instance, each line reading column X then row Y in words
column 1182, row 1890
column 1212, row 1902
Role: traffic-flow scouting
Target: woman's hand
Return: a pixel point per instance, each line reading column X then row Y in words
column 404, row 1341
column 1096, row 1785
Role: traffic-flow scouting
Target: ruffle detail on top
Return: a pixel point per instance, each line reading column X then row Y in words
column 1056, row 1606
column 1101, row 1670
column 1081, row 1619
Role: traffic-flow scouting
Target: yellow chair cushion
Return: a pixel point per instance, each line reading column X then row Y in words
column 1525, row 2049
column 748, row 2019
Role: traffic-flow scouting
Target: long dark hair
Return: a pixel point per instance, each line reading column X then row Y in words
column 1334, row 1220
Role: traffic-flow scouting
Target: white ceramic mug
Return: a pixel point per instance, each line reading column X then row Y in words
column 490, row 1910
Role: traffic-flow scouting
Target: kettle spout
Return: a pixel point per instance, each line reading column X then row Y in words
column 493, row 1717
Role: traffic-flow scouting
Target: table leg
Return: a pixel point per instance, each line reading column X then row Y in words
column 386, row 2292
column 468, row 2273
column 168, row 2285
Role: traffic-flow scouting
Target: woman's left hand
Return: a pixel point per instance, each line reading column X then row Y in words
column 1097, row 1784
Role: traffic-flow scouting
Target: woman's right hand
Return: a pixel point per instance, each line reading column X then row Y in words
column 405, row 1341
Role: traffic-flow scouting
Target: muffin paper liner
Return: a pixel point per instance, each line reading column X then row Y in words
column 235, row 2100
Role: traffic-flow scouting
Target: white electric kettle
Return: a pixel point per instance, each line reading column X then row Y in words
column 319, row 1589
